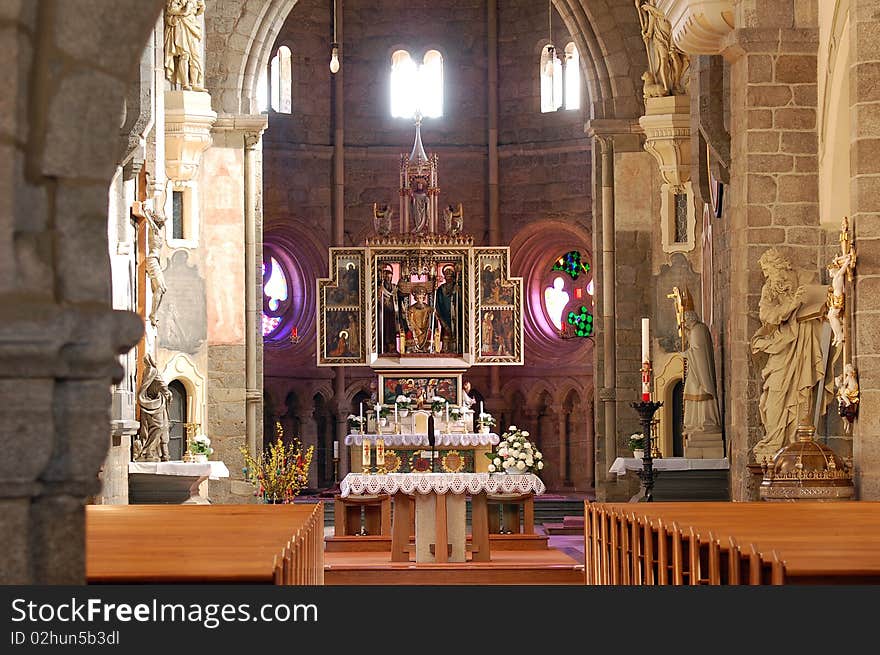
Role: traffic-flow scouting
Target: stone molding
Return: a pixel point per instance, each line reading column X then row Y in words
column 188, row 121
column 699, row 26
column 667, row 126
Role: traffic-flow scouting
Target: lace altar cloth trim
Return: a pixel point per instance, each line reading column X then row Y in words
column 358, row 484
column 443, row 439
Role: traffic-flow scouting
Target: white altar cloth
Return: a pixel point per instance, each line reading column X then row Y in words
column 443, row 439
column 212, row 469
column 623, row 464
column 359, row 484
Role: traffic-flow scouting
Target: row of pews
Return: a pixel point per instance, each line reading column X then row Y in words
column 197, row 544
column 726, row 543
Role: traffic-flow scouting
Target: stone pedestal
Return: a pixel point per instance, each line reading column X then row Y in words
column 703, row 445
column 667, row 126
column 188, row 121
column 175, row 483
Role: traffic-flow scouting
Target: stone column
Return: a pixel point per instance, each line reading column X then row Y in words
column 864, row 191
column 342, row 411
column 308, row 436
column 774, row 191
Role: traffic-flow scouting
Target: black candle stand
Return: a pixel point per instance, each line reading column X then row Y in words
column 646, row 411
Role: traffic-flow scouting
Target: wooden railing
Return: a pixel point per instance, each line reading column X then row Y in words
column 280, row 544
column 732, row 543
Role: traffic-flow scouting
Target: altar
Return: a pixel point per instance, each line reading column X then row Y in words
column 411, row 453
column 681, row 478
column 174, row 482
column 440, row 509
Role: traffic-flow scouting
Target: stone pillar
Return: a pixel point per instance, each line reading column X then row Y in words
column 308, row 436
column 342, row 409
column 774, row 191
column 864, row 191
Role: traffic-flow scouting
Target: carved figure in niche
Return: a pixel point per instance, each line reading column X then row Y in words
column 488, row 335
column 390, row 303
column 154, row 214
column 667, row 64
column 151, row 444
column 791, row 314
column 382, row 219
column 422, row 319
column 453, row 220
column 701, row 414
column 449, row 298
column 183, row 39
column 839, row 267
column 420, row 205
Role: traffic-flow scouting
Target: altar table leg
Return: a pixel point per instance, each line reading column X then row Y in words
column 480, row 528
column 440, row 534
column 456, row 526
column 400, row 529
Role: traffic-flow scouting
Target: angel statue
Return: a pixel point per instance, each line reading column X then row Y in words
column 452, row 219
column 382, row 219
column 838, row 268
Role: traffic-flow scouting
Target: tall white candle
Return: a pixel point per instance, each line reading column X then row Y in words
column 447, row 412
column 646, row 340
column 481, row 408
column 335, row 450
column 362, row 418
column 395, row 412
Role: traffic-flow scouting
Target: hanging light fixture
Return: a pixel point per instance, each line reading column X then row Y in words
column 549, row 66
column 334, row 47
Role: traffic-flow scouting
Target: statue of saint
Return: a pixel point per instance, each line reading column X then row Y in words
column 419, row 206
column 667, row 63
column 422, row 321
column 449, row 298
column 791, row 313
column 153, row 398
column 183, row 42
column 382, row 219
column 390, row 303
column 452, row 219
column 701, row 415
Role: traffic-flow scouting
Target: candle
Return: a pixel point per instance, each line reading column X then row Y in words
column 365, row 454
column 380, row 452
column 646, row 360
column 481, row 408
column 395, row 412
column 646, row 357
column 362, row 418
column 335, row 450
column 447, row 412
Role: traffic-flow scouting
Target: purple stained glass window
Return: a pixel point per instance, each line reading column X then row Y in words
column 276, row 297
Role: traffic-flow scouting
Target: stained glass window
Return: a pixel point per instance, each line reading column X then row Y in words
column 568, row 298
column 276, row 296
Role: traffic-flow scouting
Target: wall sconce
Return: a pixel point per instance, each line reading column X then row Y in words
column 334, row 47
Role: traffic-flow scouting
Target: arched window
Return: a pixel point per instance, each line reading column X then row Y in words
column 560, row 78
column 275, row 88
column 568, row 296
column 572, row 77
column 416, row 88
column 276, row 297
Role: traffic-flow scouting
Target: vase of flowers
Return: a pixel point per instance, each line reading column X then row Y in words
column 200, row 448
column 280, row 472
column 355, row 424
column 485, row 422
column 637, row 444
column 438, row 404
column 382, row 411
column 456, row 413
column 515, row 454
column 404, row 404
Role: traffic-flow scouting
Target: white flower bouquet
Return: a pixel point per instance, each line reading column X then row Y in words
column 201, row 445
column 438, row 404
column 515, row 454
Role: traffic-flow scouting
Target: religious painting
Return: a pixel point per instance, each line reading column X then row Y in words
column 422, row 306
column 421, row 388
column 499, row 309
column 341, row 331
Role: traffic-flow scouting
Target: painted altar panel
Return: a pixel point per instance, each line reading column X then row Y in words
column 498, row 309
column 342, row 333
column 421, row 386
column 421, row 305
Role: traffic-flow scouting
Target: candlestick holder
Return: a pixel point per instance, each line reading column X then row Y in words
column 335, row 471
column 646, row 411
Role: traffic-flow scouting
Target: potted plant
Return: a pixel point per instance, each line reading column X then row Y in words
column 438, row 404
column 355, row 424
column 404, row 404
column 485, row 422
column 456, row 413
column 637, row 444
column 515, row 454
column 280, row 472
column 382, row 412
column 200, row 448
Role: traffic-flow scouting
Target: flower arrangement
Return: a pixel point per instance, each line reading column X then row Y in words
column 457, row 413
column 281, row 472
column 354, row 422
column 201, row 445
column 637, row 441
column 515, row 454
column 382, row 411
column 438, row 404
column 403, row 402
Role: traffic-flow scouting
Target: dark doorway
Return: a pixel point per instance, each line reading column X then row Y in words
column 677, row 419
column 177, row 416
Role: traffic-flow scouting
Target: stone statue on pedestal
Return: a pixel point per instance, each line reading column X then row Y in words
column 151, row 444
column 792, row 314
column 702, row 420
column 667, row 63
column 183, row 44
